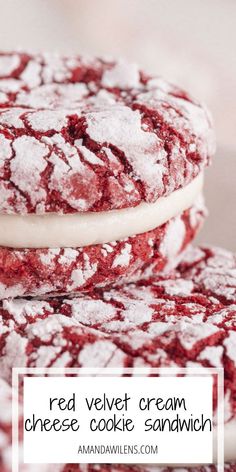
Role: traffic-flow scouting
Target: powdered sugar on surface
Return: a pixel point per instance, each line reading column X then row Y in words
column 100, row 126
column 27, row 178
column 213, row 271
column 123, row 259
column 122, row 75
column 173, row 240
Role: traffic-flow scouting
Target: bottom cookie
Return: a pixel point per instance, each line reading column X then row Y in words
column 185, row 319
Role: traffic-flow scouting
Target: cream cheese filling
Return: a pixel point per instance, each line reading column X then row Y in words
column 84, row 229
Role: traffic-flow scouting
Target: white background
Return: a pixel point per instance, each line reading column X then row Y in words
column 58, row 447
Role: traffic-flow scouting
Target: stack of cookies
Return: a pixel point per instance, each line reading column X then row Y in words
column 101, row 175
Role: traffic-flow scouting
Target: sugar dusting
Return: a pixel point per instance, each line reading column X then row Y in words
column 65, row 116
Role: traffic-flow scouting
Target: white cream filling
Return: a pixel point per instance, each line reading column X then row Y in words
column 84, row 229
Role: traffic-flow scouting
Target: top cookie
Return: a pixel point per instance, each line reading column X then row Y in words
column 80, row 134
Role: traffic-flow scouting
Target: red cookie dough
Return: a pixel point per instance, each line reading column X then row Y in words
column 40, row 272
column 80, row 134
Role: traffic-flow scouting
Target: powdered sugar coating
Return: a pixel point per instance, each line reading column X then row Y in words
column 108, row 136
column 38, row 272
column 213, row 271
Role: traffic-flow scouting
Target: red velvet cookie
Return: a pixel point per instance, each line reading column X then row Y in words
column 179, row 320
column 38, row 272
column 185, row 319
column 80, row 134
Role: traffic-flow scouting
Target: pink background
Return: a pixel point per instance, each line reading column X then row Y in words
column 192, row 43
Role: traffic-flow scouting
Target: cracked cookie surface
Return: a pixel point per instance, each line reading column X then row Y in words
column 80, row 134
